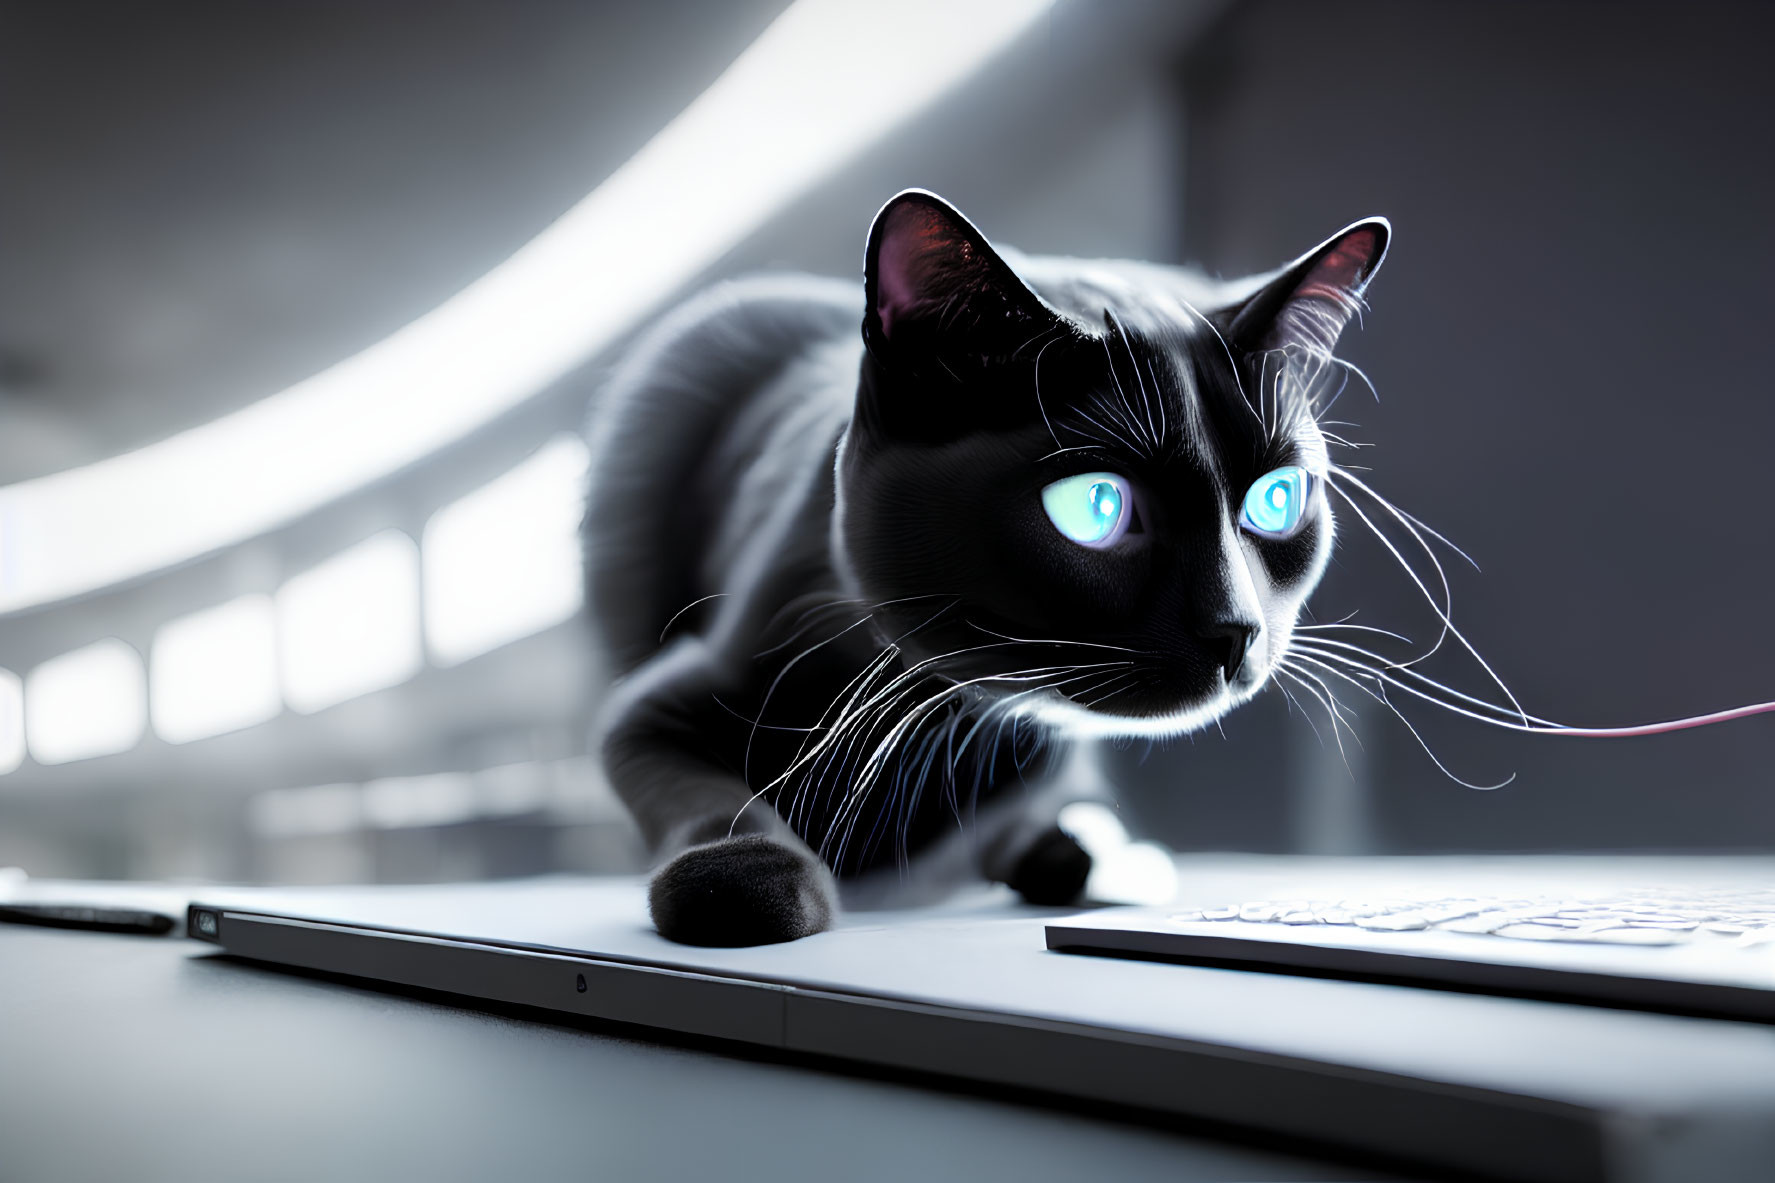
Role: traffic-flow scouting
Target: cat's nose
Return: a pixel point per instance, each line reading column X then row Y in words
column 1234, row 639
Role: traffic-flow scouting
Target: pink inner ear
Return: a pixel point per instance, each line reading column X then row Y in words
column 1338, row 275
column 910, row 262
column 894, row 292
column 1323, row 304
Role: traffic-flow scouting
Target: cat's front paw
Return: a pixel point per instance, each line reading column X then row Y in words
column 749, row 890
column 1051, row 870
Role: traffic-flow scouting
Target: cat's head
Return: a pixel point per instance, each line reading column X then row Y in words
column 1096, row 489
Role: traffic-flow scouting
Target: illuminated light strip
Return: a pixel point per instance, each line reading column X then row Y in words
column 504, row 561
column 825, row 80
column 89, row 702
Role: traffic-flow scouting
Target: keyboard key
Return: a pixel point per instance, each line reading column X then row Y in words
column 1534, row 932
column 1635, row 918
column 1482, row 924
column 1633, row 936
column 1394, row 922
column 1441, row 913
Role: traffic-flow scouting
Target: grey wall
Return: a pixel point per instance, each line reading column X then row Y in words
column 1571, row 342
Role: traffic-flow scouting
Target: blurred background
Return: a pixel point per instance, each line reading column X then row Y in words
column 273, row 613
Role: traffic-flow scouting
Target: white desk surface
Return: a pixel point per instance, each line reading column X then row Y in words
column 984, row 953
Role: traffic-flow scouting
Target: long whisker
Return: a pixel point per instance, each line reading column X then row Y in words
column 1295, row 704
column 1122, row 414
column 764, row 705
column 1545, row 727
column 1349, row 368
column 1058, row 642
column 1380, row 696
column 1298, row 676
column 803, row 623
column 871, row 769
column 755, row 723
column 1109, row 435
column 1414, row 520
column 1340, row 712
column 1146, row 402
column 1318, row 645
column 1039, row 405
column 1164, row 420
column 683, row 610
column 1358, row 628
column 1064, row 451
column 1108, row 689
column 886, row 699
column 855, row 688
column 1442, row 611
column 1232, row 365
column 1445, row 610
column 1320, row 408
column 1130, row 417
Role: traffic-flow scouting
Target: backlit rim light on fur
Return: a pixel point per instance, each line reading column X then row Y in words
column 826, row 79
column 1080, row 722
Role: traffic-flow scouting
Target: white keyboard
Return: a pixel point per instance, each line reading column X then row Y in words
column 1723, row 918
column 1684, row 935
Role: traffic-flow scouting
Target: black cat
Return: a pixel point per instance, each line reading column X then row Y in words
column 859, row 586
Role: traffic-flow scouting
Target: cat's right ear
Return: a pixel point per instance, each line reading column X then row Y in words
column 935, row 285
column 1309, row 303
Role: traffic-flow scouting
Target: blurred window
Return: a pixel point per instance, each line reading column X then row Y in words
column 12, row 721
column 215, row 671
column 351, row 624
column 503, row 562
column 91, row 702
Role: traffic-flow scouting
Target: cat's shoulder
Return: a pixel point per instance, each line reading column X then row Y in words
column 707, row 353
column 751, row 307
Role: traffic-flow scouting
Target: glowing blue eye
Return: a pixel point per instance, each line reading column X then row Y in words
column 1276, row 502
column 1091, row 509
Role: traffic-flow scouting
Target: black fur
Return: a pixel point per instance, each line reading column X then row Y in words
column 846, row 623
column 1051, row 870
column 741, row 891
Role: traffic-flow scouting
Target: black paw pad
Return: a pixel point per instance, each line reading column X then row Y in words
column 748, row 890
column 1052, row 871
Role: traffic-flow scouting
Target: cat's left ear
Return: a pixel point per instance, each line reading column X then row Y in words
column 933, row 283
column 1309, row 302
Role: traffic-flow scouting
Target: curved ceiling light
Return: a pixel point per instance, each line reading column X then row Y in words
column 823, row 81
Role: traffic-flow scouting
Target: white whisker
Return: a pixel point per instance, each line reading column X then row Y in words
column 1380, row 696
column 1442, row 611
